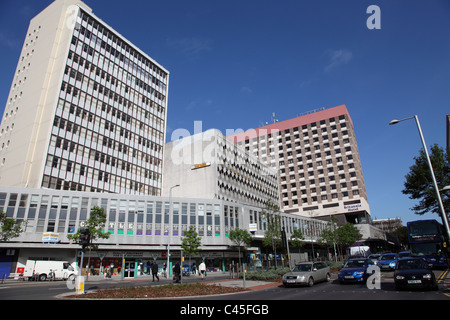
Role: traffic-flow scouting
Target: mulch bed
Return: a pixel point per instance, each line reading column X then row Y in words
column 165, row 291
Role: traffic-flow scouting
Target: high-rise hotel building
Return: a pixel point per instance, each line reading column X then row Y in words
column 318, row 162
column 86, row 110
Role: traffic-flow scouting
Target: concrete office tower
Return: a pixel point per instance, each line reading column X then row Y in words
column 208, row 165
column 318, row 162
column 87, row 108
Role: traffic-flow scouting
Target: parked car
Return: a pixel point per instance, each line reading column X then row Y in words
column 355, row 270
column 414, row 273
column 374, row 258
column 387, row 261
column 307, row 273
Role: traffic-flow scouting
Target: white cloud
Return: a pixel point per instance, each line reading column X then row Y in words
column 246, row 90
column 190, row 46
column 337, row 58
column 198, row 103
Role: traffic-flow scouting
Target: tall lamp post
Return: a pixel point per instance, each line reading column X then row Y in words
column 438, row 193
column 170, row 229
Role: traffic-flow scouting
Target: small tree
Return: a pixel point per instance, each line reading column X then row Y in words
column 272, row 235
column 297, row 238
column 241, row 238
column 9, row 227
column 191, row 243
column 328, row 236
column 346, row 235
column 96, row 226
column 419, row 183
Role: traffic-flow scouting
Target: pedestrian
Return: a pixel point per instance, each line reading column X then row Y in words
column 155, row 271
column 148, row 267
column 194, row 270
column 177, row 272
column 202, row 269
column 164, row 270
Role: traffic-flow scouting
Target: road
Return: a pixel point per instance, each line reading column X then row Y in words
column 322, row 291
column 333, row 290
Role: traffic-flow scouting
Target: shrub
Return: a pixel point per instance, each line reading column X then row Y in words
column 266, row 275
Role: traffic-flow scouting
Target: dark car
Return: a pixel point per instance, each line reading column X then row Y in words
column 414, row 273
column 355, row 270
column 387, row 261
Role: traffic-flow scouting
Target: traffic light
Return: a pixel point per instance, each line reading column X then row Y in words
column 85, row 237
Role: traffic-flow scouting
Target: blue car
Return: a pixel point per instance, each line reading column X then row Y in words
column 355, row 270
column 388, row 261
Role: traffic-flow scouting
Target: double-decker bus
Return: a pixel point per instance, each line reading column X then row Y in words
column 426, row 240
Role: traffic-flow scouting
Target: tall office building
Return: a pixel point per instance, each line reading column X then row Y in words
column 208, row 165
column 86, row 110
column 318, row 162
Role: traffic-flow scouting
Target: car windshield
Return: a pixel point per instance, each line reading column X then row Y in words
column 410, row 264
column 355, row 264
column 302, row 268
column 388, row 257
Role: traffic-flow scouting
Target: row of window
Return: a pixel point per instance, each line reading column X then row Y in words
column 119, row 68
column 117, row 44
column 46, row 214
column 119, row 88
column 126, row 146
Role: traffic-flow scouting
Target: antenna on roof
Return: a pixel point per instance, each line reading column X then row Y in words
column 275, row 120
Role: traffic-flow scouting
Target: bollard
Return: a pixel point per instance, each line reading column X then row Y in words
column 79, row 285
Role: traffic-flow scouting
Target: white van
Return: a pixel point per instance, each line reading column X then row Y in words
column 41, row 270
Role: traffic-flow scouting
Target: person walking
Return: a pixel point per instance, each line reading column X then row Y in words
column 177, row 272
column 202, row 269
column 155, row 271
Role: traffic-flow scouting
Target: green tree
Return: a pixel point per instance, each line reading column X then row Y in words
column 328, row 237
column 402, row 235
column 297, row 238
column 346, row 235
column 9, row 227
column 272, row 236
column 191, row 242
column 241, row 238
column 96, row 226
column 419, row 183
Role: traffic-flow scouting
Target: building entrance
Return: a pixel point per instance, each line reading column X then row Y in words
column 129, row 269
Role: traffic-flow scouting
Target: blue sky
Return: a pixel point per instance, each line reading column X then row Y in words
column 233, row 63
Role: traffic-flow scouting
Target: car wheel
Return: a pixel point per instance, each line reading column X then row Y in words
column 328, row 277
column 310, row 282
column 42, row 277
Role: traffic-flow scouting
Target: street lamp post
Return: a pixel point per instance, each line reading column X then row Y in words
column 170, row 230
column 438, row 194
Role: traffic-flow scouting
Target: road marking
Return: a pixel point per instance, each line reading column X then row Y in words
column 442, row 276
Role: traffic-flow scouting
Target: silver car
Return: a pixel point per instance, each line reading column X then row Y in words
column 307, row 273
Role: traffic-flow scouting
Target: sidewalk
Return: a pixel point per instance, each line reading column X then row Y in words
column 146, row 277
column 248, row 284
